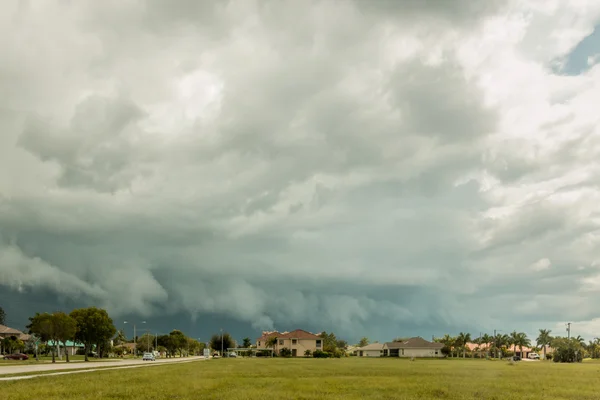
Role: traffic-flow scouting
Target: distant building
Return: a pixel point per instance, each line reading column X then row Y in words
column 413, row 347
column 298, row 341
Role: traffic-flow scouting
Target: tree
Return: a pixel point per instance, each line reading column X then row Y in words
column 57, row 328
column 329, row 341
column 341, row 344
column 166, row 342
column 120, row 338
column 2, row 316
column 514, row 340
column 94, row 327
column 64, row 328
column 271, row 343
column 178, row 341
column 486, row 340
column 222, row 341
column 145, row 343
column 448, row 342
column 463, row 339
column 247, row 343
column 544, row 339
column 523, row 340
column 567, row 350
column 42, row 325
column 363, row 342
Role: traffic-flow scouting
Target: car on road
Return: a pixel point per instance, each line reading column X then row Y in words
column 16, row 356
column 148, row 357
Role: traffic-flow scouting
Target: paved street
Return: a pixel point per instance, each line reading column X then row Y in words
column 29, row 368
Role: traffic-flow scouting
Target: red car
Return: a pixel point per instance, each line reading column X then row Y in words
column 16, row 356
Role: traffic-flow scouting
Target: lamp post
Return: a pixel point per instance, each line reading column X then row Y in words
column 221, row 342
column 134, row 338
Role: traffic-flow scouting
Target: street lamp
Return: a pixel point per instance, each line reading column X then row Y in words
column 222, row 342
column 134, row 338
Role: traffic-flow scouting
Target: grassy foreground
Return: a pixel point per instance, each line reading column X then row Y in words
column 349, row 378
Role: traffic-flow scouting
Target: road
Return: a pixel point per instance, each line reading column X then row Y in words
column 73, row 367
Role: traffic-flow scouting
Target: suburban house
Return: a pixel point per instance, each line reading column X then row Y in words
column 298, row 341
column 370, row 350
column 71, row 347
column 7, row 332
column 479, row 350
column 413, row 347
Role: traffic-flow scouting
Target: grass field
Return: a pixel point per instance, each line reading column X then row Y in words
column 48, row 359
column 349, row 378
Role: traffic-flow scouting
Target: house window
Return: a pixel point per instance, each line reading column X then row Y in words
column 281, row 342
column 402, row 351
column 436, row 353
column 259, row 343
column 294, row 341
column 318, row 343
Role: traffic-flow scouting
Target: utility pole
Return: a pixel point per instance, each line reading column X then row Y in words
column 568, row 330
column 134, row 338
column 221, row 342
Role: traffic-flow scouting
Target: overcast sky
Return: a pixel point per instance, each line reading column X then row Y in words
column 381, row 168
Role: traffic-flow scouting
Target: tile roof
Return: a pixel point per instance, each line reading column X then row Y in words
column 372, row 346
column 414, row 343
column 299, row 334
column 267, row 335
column 11, row 331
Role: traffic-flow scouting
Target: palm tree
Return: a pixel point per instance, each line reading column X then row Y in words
column 486, row 339
column 544, row 339
column 466, row 339
column 449, row 342
column 271, row 342
column 523, row 340
column 514, row 339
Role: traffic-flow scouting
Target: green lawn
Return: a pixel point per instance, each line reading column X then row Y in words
column 48, row 359
column 349, row 378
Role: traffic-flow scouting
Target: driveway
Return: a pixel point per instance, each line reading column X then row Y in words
column 28, row 368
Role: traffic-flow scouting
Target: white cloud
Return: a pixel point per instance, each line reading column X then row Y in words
column 540, row 265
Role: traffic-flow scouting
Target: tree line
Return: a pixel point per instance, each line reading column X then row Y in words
column 565, row 349
column 94, row 329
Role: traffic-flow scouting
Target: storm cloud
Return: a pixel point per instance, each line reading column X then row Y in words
column 372, row 168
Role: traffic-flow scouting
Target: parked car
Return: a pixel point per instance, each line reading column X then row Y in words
column 233, row 354
column 533, row 356
column 148, row 357
column 16, row 356
column 516, row 358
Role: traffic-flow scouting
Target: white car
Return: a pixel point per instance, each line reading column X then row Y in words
column 533, row 356
column 148, row 357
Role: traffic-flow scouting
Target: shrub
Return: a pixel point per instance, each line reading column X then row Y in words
column 321, row 354
column 548, row 356
column 307, row 353
column 337, row 353
column 285, row 352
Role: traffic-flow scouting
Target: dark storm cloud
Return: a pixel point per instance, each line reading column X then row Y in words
column 345, row 166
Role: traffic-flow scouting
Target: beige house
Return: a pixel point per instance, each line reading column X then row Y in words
column 370, row 350
column 413, row 347
column 6, row 332
column 298, row 341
